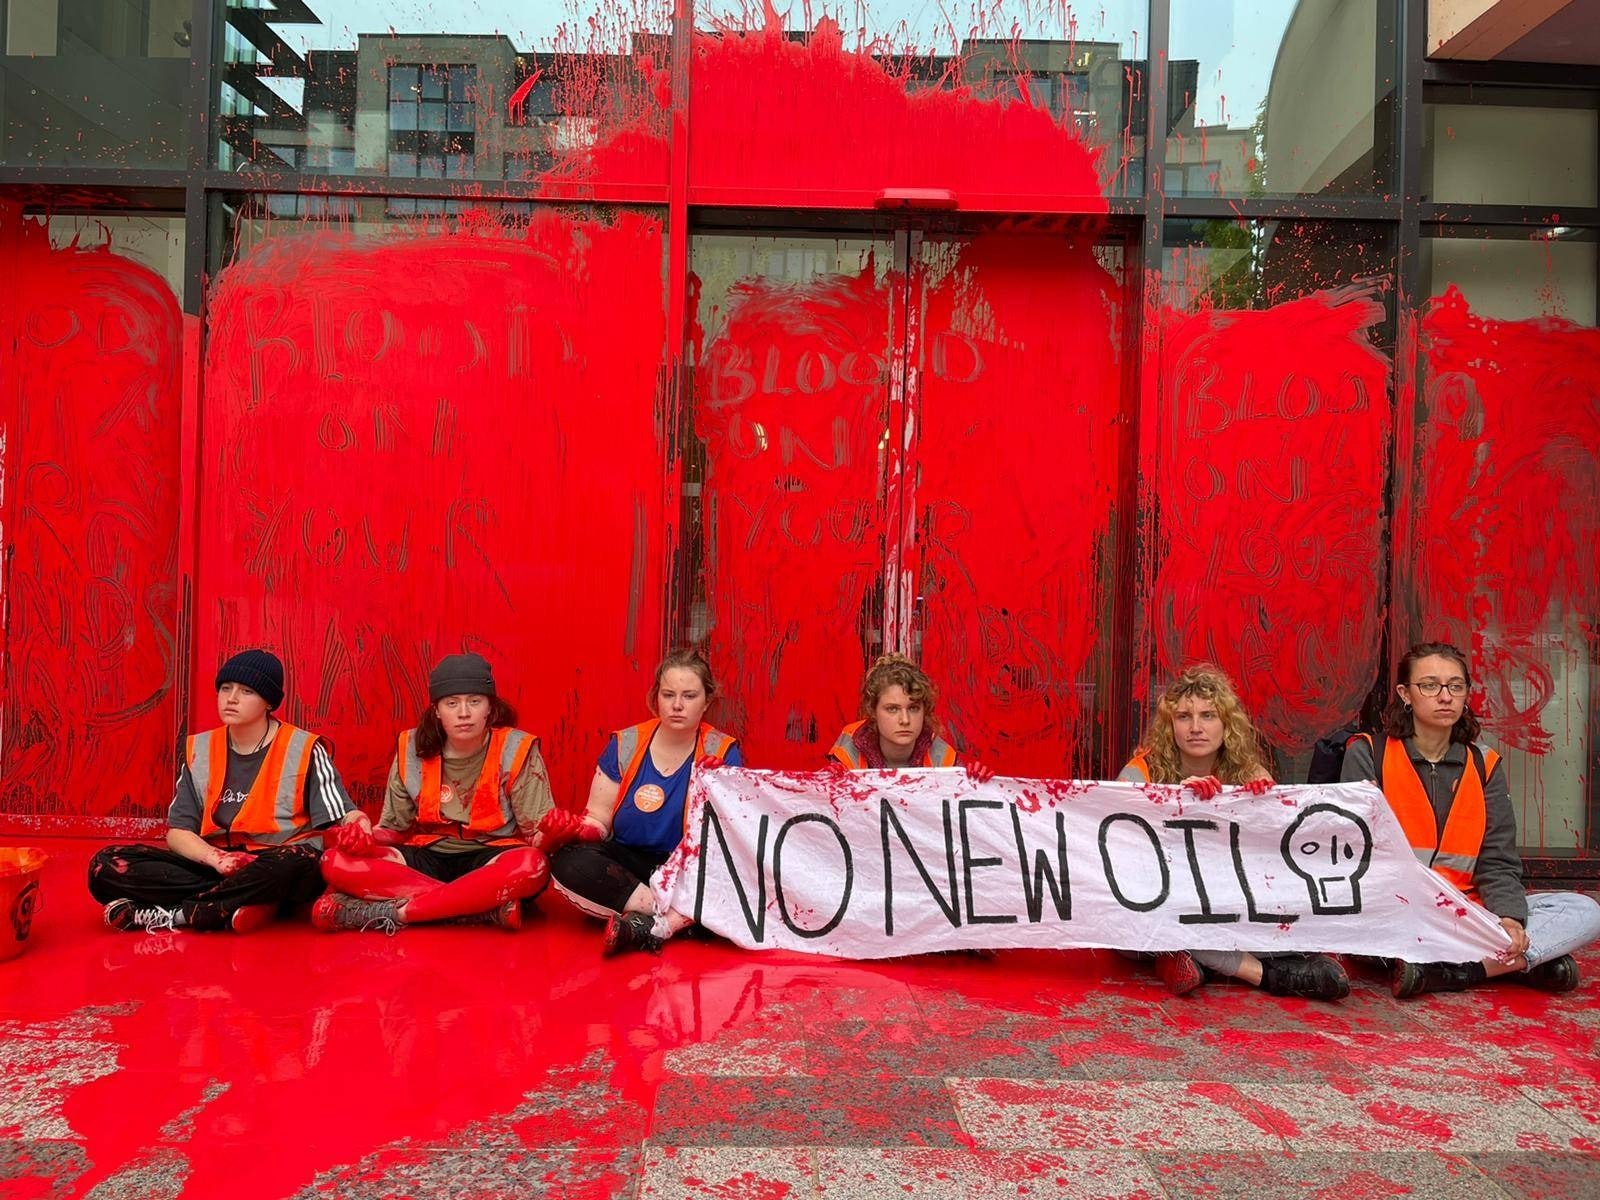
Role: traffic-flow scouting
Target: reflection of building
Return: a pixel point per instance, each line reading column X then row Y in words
column 474, row 107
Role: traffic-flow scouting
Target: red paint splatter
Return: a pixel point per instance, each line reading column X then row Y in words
column 1413, row 1120
column 780, row 119
column 1015, row 475
column 91, row 491
column 1270, row 506
column 421, row 443
column 792, row 410
column 1508, row 534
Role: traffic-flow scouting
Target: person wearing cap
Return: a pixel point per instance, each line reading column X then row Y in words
column 458, row 838
column 242, row 830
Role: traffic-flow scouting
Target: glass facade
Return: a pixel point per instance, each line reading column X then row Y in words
column 873, row 291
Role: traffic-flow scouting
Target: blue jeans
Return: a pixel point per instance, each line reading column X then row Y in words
column 1559, row 923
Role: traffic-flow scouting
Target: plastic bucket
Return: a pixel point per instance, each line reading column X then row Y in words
column 19, row 896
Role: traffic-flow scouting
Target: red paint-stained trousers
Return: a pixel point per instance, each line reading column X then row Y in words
column 286, row 876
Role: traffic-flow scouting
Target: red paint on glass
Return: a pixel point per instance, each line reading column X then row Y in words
column 1270, row 502
column 793, row 411
column 1508, row 534
column 92, row 467
column 777, row 117
column 427, row 443
column 1016, row 476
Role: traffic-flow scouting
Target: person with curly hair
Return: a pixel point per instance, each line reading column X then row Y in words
column 1453, row 802
column 1201, row 738
column 602, row 858
column 897, row 727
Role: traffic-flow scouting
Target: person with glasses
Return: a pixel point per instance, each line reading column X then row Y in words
column 1451, row 797
column 1201, row 738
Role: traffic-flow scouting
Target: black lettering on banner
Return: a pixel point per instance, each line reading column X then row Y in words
column 951, row 907
column 1111, row 873
column 1035, row 881
column 777, row 876
column 756, row 919
column 1205, row 916
column 1252, row 914
column 968, row 864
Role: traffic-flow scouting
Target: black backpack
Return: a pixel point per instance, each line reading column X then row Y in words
column 1327, row 756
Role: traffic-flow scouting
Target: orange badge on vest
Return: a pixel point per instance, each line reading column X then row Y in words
column 649, row 798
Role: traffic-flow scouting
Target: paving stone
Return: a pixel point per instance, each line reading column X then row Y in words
column 1110, row 1115
column 1321, row 1175
column 727, row 1173
column 840, row 1111
column 1543, row 1176
column 982, row 1175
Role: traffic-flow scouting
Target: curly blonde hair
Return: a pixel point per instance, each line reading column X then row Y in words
column 896, row 670
column 1239, row 761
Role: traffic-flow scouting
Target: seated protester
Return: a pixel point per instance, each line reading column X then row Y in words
column 242, row 843
column 897, row 727
column 636, row 812
column 1454, row 804
column 1201, row 737
column 456, row 840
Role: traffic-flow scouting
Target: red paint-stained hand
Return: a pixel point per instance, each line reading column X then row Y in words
column 354, row 836
column 1260, row 787
column 1204, row 786
column 978, row 772
column 561, row 825
column 232, row 862
column 835, row 767
column 708, row 762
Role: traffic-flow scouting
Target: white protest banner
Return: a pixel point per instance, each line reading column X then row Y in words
column 875, row 864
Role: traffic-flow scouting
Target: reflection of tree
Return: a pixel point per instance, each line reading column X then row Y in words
column 1235, row 275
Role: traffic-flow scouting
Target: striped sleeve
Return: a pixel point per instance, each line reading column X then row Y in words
column 327, row 803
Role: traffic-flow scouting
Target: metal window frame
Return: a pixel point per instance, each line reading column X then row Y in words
column 1405, row 211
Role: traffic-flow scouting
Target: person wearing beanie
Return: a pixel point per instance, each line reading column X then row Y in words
column 603, row 857
column 242, row 830
column 458, row 839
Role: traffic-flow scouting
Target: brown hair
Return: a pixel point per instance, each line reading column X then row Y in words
column 1398, row 720
column 1238, row 761
column 430, row 739
column 686, row 659
column 896, row 670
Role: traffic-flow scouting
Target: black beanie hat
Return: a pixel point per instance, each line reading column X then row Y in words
column 460, row 675
column 258, row 670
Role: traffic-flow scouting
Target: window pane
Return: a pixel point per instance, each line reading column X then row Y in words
column 92, row 460
column 1272, row 463
column 1281, row 98
column 415, row 346
column 328, row 80
column 1037, row 82
column 1506, row 154
column 1507, row 547
column 99, row 83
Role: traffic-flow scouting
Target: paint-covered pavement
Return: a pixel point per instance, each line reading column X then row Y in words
column 472, row 1063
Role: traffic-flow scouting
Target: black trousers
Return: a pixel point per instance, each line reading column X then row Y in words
column 603, row 873
column 287, row 876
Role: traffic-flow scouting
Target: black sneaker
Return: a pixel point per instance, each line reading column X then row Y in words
column 124, row 915
column 1557, row 975
column 631, row 931
column 1313, row 976
column 1412, row 979
column 507, row 916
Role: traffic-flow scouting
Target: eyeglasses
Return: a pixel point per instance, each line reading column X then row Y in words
column 1430, row 687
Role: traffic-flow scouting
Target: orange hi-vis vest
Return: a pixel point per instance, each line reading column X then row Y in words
column 1140, row 764
column 274, row 812
column 1452, row 854
column 940, row 753
column 491, row 820
column 633, row 743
